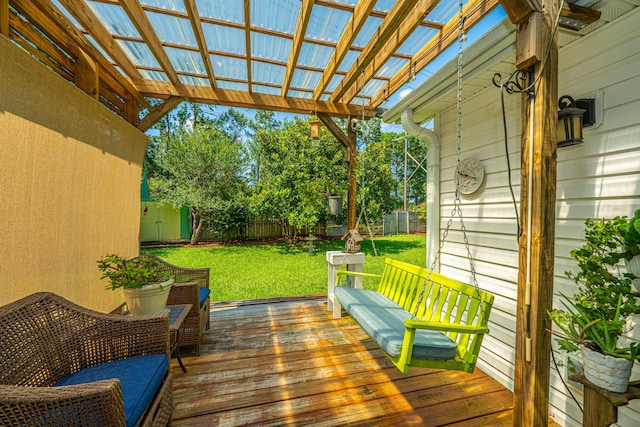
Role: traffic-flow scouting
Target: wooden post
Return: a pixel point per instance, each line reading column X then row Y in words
column 351, row 176
column 538, row 181
column 4, row 17
column 86, row 75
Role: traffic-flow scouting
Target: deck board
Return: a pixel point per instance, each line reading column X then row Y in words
column 287, row 362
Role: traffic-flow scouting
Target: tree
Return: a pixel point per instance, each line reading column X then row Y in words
column 201, row 169
column 377, row 184
column 296, row 174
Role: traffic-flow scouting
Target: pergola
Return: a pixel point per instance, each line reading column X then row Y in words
column 329, row 58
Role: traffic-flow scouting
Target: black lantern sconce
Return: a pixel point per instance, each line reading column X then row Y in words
column 315, row 128
column 572, row 117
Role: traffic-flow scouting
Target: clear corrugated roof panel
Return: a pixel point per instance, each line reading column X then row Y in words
column 416, row 40
column 66, row 13
column 392, row 66
column 187, row 61
column 280, row 16
column 267, row 73
column 177, row 5
column 348, row 61
column 383, row 5
column 224, row 39
column 233, row 86
column 114, row 18
column 444, row 11
column 303, row 79
column 172, row 30
column 139, row 53
column 154, row 75
column 372, row 87
column 222, row 10
column 367, row 31
column 196, row 81
column 327, row 24
column 324, row 97
column 268, row 90
column 315, row 55
column 347, row 2
column 333, row 83
column 270, row 47
column 300, row 94
column 227, row 67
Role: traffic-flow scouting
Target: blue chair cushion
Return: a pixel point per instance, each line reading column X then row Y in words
column 204, row 294
column 383, row 320
column 140, row 378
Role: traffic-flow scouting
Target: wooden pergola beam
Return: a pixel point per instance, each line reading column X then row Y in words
column 196, row 25
column 92, row 25
column 412, row 21
column 358, row 18
column 247, row 41
column 473, row 11
column 159, row 112
column 46, row 16
column 298, row 38
column 242, row 99
column 398, row 13
column 334, row 129
column 4, row 17
column 139, row 19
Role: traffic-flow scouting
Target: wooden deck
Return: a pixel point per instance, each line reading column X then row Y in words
column 287, row 362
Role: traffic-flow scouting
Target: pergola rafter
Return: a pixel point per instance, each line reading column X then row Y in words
column 298, row 38
column 196, row 25
column 141, row 21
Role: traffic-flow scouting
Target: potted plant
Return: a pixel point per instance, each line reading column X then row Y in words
column 144, row 282
column 593, row 319
column 631, row 236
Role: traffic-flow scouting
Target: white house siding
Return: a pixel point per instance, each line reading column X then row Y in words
column 599, row 178
column 489, row 217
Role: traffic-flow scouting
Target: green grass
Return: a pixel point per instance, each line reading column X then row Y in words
column 263, row 270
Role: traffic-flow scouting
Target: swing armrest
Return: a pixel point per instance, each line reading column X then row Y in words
column 341, row 273
column 445, row 327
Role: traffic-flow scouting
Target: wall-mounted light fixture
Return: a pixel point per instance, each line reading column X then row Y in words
column 315, row 128
column 572, row 117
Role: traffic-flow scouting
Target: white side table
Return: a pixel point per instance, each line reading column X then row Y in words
column 335, row 261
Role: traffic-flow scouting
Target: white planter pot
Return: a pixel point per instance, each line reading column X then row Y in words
column 607, row 372
column 633, row 266
column 150, row 299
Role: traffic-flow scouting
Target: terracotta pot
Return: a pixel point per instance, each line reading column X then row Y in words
column 150, row 299
column 607, row 372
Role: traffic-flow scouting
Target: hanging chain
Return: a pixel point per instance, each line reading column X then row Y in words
column 456, row 211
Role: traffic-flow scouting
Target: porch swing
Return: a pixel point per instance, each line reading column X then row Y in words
column 419, row 317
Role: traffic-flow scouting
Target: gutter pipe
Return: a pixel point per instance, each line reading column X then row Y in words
column 433, row 184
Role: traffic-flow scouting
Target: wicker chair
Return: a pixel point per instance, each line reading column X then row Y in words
column 197, row 320
column 48, row 343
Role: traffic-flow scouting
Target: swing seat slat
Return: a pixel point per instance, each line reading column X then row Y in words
column 448, row 331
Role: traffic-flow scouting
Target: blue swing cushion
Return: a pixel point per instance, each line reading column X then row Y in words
column 383, row 320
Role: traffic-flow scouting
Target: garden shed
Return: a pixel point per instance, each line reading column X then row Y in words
column 82, row 80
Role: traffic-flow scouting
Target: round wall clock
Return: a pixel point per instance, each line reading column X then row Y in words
column 471, row 175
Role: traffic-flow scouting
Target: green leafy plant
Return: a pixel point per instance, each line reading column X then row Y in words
column 631, row 235
column 597, row 314
column 131, row 274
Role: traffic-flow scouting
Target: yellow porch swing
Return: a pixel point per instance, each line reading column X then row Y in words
column 419, row 317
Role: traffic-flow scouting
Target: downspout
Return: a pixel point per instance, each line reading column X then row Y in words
column 433, row 183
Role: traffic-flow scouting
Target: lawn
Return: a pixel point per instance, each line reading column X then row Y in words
column 264, row 270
